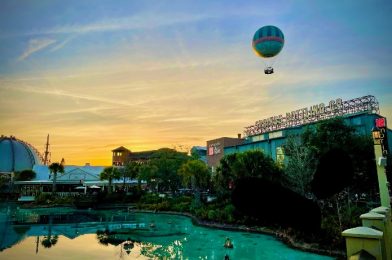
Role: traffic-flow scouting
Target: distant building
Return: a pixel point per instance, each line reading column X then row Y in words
column 74, row 180
column 215, row 149
column 122, row 156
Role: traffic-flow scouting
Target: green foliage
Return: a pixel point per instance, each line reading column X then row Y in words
column 195, row 173
column 55, row 168
column 50, row 199
column 148, row 172
column 25, row 175
column 44, row 198
column 167, row 162
column 131, row 170
column 299, row 171
column 110, row 173
column 334, row 133
column 247, row 164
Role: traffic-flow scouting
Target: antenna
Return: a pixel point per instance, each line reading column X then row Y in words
column 47, row 153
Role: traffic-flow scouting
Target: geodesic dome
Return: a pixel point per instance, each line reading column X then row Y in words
column 17, row 155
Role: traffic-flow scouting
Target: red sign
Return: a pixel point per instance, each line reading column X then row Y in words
column 380, row 122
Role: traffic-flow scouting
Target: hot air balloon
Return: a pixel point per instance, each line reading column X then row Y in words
column 267, row 42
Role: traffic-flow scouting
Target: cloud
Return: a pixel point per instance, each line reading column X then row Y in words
column 62, row 44
column 34, row 46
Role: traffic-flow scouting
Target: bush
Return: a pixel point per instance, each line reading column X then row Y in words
column 44, row 198
column 212, row 214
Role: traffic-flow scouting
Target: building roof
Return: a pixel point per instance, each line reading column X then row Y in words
column 121, row 149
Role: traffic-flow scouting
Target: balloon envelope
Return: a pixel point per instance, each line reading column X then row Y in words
column 268, row 41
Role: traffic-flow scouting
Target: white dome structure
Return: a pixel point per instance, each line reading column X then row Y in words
column 17, row 155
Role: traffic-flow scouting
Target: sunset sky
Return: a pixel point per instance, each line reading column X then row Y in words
column 96, row 75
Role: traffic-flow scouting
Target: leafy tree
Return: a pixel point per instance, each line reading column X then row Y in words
column 148, row 172
column 240, row 165
column 256, row 164
column 110, row 173
column 54, row 168
column 195, row 173
column 25, row 175
column 131, row 171
column 224, row 176
column 298, row 172
column 167, row 162
column 334, row 134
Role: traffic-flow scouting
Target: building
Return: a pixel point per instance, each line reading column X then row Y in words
column 269, row 135
column 17, row 155
column 216, row 149
column 200, row 152
column 72, row 181
column 122, row 156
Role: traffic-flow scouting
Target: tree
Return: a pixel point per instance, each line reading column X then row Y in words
column 195, row 173
column 167, row 162
column 54, row 168
column 148, row 172
column 334, row 134
column 131, row 170
column 242, row 165
column 25, row 175
column 298, row 172
column 110, row 173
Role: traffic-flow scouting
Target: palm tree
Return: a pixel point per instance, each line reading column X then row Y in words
column 110, row 173
column 54, row 169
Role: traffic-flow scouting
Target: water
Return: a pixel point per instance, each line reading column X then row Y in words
column 64, row 233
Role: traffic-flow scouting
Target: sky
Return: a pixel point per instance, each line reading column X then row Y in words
column 97, row 75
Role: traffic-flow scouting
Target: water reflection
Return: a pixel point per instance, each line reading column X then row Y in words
column 116, row 234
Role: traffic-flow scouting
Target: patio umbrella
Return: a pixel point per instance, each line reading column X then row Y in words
column 94, row 187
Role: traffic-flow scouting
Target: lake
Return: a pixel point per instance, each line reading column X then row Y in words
column 66, row 233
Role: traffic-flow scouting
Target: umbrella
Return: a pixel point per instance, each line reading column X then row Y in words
column 94, row 187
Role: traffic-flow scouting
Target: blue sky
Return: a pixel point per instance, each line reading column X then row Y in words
column 147, row 74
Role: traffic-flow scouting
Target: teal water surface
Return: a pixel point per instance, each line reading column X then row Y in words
column 64, row 233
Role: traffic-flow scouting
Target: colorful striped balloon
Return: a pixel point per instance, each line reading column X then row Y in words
column 268, row 41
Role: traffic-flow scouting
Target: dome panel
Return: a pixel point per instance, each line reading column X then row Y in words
column 16, row 155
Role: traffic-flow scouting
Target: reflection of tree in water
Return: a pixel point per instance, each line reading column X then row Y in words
column 50, row 240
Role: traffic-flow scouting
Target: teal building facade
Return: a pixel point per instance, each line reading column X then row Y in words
column 273, row 132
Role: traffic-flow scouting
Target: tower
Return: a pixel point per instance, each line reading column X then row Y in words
column 47, row 153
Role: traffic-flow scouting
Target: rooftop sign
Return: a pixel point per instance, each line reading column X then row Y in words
column 313, row 114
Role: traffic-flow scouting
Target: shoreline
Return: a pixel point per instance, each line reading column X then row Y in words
column 281, row 236
column 286, row 239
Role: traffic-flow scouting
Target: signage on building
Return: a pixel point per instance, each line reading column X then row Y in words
column 313, row 114
column 214, row 148
column 381, row 123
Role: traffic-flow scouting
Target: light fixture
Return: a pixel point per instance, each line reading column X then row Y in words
column 376, row 133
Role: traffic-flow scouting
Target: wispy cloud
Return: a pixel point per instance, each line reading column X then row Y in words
column 140, row 21
column 35, row 45
column 62, row 44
